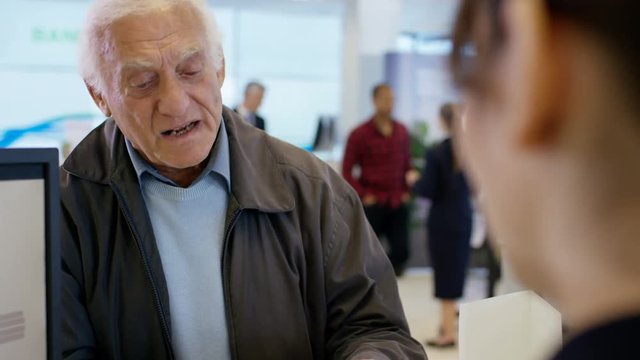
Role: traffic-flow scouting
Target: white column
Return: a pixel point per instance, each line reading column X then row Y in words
column 371, row 28
column 380, row 23
column 350, row 69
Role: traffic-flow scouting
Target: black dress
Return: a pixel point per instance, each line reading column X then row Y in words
column 617, row 340
column 450, row 220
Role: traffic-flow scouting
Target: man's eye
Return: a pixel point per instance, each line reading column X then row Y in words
column 142, row 82
column 190, row 73
column 143, row 85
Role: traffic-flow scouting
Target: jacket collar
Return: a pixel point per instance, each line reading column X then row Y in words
column 257, row 180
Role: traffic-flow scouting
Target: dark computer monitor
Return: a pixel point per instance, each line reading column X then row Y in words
column 29, row 254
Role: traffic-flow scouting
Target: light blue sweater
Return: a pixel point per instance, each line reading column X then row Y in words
column 188, row 224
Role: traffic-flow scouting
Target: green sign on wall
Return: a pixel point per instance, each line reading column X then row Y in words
column 54, row 36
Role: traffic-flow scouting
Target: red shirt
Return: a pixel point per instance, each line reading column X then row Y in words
column 383, row 162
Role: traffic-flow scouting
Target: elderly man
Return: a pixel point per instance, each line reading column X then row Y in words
column 172, row 249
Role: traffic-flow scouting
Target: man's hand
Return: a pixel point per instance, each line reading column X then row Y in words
column 411, row 177
column 369, row 200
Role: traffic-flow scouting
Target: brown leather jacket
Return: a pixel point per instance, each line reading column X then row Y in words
column 304, row 275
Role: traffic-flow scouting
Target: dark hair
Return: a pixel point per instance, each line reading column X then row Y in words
column 479, row 34
column 447, row 113
column 251, row 85
column 378, row 88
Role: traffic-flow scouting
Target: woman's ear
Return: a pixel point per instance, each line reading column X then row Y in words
column 536, row 89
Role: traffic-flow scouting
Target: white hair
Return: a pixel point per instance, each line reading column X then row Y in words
column 94, row 44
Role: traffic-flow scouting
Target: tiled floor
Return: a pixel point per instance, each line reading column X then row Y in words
column 422, row 310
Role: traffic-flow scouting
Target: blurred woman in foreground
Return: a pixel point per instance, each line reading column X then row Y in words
column 552, row 137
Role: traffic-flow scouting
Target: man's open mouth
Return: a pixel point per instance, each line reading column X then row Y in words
column 181, row 131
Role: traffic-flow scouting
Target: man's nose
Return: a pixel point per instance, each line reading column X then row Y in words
column 174, row 100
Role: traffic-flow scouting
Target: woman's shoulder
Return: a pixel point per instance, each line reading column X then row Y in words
column 440, row 151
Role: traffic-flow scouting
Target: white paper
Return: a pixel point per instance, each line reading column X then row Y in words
column 518, row 326
column 479, row 232
column 22, row 270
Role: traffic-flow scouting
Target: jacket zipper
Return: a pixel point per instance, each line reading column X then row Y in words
column 145, row 262
column 227, row 281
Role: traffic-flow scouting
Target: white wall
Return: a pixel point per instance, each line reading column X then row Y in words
column 372, row 29
column 429, row 17
column 297, row 56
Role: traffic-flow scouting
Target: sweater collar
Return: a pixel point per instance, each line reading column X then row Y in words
column 218, row 161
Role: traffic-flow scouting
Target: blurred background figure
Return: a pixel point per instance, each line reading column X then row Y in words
column 253, row 96
column 482, row 243
column 449, row 225
column 379, row 149
column 552, row 139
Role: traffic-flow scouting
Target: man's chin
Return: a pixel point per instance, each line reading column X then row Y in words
column 183, row 164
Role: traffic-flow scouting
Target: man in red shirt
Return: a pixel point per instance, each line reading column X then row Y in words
column 380, row 149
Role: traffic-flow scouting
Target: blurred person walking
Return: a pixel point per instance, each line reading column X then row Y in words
column 449, row 225
column 380, row 149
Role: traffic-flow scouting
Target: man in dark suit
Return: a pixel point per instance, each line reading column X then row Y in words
column 253, row 95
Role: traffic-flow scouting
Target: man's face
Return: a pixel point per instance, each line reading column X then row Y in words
column 253, row 100
column 162, row 88
column 383, row 101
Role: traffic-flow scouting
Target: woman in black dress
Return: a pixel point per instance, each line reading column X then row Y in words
column 449, row 225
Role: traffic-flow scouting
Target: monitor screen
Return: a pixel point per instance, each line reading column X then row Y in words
column 29, row 254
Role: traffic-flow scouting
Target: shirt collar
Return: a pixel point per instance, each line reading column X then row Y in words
column 219, row 162
column 243, row 111
column 371, row 124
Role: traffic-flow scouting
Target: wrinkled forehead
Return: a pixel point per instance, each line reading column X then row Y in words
column 176, row 33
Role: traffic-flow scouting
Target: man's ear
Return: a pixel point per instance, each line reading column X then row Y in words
column 221, row 73
column 539, row 88
column 99, row 100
